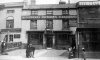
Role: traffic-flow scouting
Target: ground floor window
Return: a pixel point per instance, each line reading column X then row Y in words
column 35, row 39
column 62, row 39
column 11, row 37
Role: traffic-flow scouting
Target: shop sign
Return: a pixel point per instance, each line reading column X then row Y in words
column 48, row 17
column 89, row 3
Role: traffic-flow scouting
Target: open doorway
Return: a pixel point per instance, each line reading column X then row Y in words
column 49, row 41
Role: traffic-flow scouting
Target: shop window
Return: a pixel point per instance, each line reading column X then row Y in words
column 49, row 12
column 33, row 24
column 10, row 11
column 34, row 39
column 65, row 24
column 49, row 24
column 34, row 12
column 16, row 35
column 90, row 41
column 9, row 23
column 64, row 12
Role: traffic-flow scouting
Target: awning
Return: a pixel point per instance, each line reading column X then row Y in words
column 31, row 32
column 54, row 32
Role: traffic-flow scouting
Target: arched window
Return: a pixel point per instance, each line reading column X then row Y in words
column 10, row 22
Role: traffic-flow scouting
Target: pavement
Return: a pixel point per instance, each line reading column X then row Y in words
column 43, row 54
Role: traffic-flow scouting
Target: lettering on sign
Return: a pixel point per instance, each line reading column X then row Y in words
column 44, row 17
column 89, row 3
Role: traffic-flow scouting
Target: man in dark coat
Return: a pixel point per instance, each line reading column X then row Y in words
column 73, row 46
column 30, row 50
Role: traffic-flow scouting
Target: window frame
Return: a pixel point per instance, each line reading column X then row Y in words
column 49, row 12
column 10, row 11
column 34, row 12
column 10, row 22
column 64, row 27
column 50, row 24
column 31, row 25
column 65, row 12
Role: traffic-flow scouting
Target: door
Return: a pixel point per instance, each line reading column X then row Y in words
column 49, row 41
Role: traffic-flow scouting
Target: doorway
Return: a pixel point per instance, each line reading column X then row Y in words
column 49, row 41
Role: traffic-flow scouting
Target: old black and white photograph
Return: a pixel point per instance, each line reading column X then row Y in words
column 49, row 29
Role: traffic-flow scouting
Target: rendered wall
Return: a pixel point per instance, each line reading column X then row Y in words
column 57, row 24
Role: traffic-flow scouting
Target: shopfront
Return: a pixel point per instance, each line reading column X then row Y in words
column 89, row 39
column 55, row 40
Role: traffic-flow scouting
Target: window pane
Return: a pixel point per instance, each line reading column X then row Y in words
column 33, row 24
column 16, row 35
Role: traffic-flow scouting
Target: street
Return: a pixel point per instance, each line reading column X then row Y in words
column 43, row 54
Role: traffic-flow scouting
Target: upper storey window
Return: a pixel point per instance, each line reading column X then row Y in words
column 34, row 12
column 10, row 22
column 10, row 11
column 65, row 12
column 49, row 12
column 49, row 24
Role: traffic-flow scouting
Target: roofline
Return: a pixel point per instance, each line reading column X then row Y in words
column 12, row 4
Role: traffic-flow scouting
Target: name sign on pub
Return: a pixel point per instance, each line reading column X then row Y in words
column 44, row 17
column 89, row 3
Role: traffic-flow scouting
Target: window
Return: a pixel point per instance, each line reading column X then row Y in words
column 16, row 35
column 49, row 24
column 65, row 24
column 34, row 12
column 10, row 38
column 49, row 12
column 33, row 24
column 72, row 22
column 10, row 11
column 65, row 12
column 9, row 23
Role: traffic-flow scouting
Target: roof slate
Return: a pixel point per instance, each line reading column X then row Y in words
column 52, row 6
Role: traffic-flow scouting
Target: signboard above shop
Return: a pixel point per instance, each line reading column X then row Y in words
column 48, row 17
column 88, row 3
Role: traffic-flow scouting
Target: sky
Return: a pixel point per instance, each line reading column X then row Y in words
column 44, row 1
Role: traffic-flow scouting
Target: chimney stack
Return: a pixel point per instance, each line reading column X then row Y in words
column 29, row 2
column 33, row 2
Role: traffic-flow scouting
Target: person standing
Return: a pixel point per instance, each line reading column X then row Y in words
column 30, row 51
column 3, row 45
